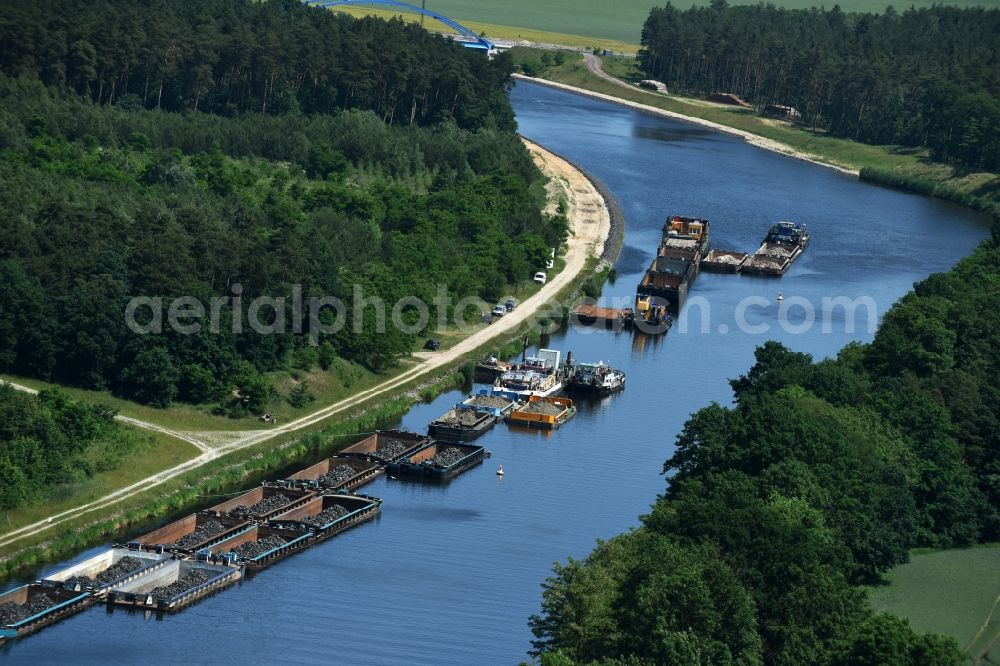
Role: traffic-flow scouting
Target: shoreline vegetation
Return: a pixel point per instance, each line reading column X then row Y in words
column 904, row 169
column 275, row 451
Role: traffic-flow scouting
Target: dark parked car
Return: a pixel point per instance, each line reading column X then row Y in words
column 432, row 344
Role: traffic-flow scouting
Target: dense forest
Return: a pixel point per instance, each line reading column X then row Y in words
column 921, row 78
column 109, row 197
column 227, row 57
column 820, row 477
column 52, row 442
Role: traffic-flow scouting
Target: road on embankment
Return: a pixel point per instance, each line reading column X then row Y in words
column 589, row 222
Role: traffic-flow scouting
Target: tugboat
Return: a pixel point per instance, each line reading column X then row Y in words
column 596, row 378
column 539, row 376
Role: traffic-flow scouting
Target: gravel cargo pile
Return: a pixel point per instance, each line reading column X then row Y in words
column 778, row 252
column 492, row 401
column 252, row 549
column 191, row 579
column 263, row 506
column 447, row 458
column 461, row 417
column 336, row 476
column 546, row 408
column 11, row 613
column 209, row 529
column 389, row 449
column 327, row 516
column 725, row 259
column 122, row 567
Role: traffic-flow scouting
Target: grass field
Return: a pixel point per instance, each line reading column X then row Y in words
column 620, row 21
column 506, row 32
column 165, row 452
column 950, row 592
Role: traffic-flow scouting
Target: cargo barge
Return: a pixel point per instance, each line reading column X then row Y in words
column 462, row 424
column 594, row 315
column 338, row 473
column 724, row 261
column 499, row 404
column 327, row 515
column 257, row 547
column 596, row 379
column 261, row 503
column 784, row 243
column 386, row 446
column 190, row 533
column 543, row 412
column 28, row 608
column 439, row 461
column 174, row 586
column 103, row 571
column 683, row 243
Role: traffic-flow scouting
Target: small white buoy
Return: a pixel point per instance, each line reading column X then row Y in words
column 780, row 297
column 500, row 471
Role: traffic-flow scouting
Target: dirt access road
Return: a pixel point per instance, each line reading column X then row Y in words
column 590, row 224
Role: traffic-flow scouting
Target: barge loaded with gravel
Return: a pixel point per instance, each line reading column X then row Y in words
column 103, row 571
column 439, row 461
column 784, row 243
column 724, row 261
column 386, row 446
column 543, row 412
column 327, row 515
column 462, row 424
column 338, row 473
column 28, row 608
column 190, row 533
column 684, row 242
column 177, row 584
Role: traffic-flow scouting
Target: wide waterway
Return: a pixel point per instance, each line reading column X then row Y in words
column 449, row 575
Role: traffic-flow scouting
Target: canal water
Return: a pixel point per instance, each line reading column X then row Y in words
column 450, row 574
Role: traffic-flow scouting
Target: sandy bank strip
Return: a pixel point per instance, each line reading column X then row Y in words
column 590, row 225
column 749, row 137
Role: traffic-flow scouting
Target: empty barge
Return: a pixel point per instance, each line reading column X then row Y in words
column 439, row 461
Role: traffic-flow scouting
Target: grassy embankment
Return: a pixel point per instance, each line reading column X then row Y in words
column 951, row 592
column 906, row 168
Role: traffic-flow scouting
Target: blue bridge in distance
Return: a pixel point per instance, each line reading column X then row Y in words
column 467, row 37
